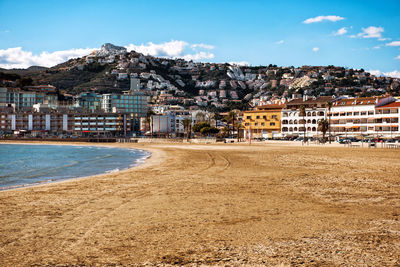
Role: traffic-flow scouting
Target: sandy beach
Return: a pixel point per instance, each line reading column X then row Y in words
column 227, row 204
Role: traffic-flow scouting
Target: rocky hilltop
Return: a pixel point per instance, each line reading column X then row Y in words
column 110, row 50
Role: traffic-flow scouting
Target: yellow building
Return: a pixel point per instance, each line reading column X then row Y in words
column 263, row 122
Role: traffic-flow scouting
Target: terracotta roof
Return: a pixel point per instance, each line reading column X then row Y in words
column 357, row 101
column 391, row 105
column 271, row 106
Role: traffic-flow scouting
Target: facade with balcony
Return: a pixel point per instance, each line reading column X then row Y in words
column 264, row 122
column 372, row 116
column 295, row 125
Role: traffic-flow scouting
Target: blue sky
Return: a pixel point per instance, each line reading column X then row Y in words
column 253, row 31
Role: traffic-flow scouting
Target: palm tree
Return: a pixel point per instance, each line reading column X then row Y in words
column 149, row 120
column 230, row 119
column 303, row 114
column 323, row 126
column 215, row 117
column 187, row 125
column 239, row 126
column 329, row 106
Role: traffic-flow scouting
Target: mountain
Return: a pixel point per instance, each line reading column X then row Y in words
column 207, row 84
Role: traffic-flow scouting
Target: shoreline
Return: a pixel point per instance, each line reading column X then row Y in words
column 137, row 163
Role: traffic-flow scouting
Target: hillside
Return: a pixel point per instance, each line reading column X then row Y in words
column 108, row 70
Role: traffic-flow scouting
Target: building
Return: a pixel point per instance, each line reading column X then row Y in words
column 294, row 125
column 89, row 101
column 25, row 99
column 67, row 122
column 263, row 122
column 367, row 116
column 131, row 102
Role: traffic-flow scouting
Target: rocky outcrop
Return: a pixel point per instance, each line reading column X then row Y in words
column 110, row 50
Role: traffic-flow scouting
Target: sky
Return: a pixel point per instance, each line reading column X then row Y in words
column 354, row 34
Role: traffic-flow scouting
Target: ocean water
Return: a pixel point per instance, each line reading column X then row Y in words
column 22, row 165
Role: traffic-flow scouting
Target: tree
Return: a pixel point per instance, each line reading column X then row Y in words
column 187, row 125
column 303, row 114
column 323, row 126
column 239, row 126
column 230, row 119
column 200, row 125
column 200, row 117
column 209, row 130
column 329, row 106
column 149, row 119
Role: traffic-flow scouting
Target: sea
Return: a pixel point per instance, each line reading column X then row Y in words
column 24, row 165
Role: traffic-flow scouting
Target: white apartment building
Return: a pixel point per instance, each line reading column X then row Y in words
column 369, row 116
column 292, row 123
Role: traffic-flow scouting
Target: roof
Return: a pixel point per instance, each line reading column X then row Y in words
column 270, row 106
column 391, row 105
column 357, row 101
column 322, row 100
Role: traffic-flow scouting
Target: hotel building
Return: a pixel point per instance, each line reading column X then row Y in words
column 263, row 122
column 294, row 125
column 374, row 116
column 54, row 123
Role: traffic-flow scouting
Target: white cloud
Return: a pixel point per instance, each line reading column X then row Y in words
column 198, row 56
column 204, row 46
column 393, row 74
column 372, row 32
column 394, row 43
column 322, row 18
column 398, row 57
column 6, row 31
column 239, row 63
column 377, row 47
column 174, row 49
column 315, row 49
column 341, row 31
column 168, row 49
column 280, row 42
column 18, row 58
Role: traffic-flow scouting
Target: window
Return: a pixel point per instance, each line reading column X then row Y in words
column 272, row 124
column 248, row 117
column 262, row 124
column 274, row 116
column 258, row 117
column 247, row 124
column 256, row 124
column 264, row 117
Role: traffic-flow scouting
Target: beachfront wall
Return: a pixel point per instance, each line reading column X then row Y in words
column 264, row 122
column 375, row 117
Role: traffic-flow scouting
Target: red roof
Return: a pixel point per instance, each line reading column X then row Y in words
column 391, row 105
column 270, row 106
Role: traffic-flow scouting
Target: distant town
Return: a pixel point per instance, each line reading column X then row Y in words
column 112, row 93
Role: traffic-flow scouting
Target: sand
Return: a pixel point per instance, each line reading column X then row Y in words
column 225, row 204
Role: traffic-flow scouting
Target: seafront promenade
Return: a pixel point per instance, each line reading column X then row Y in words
column 214, row 204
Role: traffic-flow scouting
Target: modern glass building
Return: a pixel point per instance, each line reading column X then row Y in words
column 131, row 102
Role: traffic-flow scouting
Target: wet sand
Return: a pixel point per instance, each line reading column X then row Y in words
column 214, row 205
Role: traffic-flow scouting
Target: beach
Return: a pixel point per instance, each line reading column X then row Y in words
column 225, row 204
